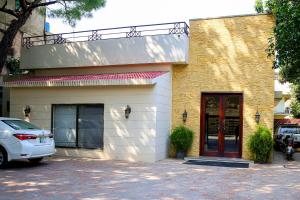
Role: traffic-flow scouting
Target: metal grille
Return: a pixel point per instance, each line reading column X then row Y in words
column 133, row 33
column 94, row 36
column 59, row 39
column 27, row 42
column 109, row 33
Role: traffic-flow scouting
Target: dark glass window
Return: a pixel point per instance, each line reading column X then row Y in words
column 78, row 125
column 20, row 125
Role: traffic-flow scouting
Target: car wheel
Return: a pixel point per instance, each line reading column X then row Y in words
column 3, row 158
column 35, row 160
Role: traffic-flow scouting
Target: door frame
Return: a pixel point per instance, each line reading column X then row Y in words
column 221, row 138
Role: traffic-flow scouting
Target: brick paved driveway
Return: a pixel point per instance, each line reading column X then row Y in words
column 88, row 179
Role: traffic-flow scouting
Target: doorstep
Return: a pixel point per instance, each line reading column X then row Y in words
column 219, row 161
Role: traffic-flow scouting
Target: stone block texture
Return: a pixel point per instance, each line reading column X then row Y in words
column 226, row 55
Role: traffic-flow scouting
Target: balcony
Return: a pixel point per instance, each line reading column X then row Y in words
column 146, row 44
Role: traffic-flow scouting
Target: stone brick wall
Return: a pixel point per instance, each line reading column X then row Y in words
column 226, row 55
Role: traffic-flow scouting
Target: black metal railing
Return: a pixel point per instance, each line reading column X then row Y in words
column 108, row 33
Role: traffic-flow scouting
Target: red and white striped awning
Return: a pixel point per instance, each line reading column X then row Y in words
column 128, row 78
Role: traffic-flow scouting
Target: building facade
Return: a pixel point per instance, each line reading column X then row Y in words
column 118, row 96
column 228, row 79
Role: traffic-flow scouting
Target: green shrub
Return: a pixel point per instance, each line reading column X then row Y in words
column 182, row 138
column 260, row 144
column 259, row 6
column 295, row 109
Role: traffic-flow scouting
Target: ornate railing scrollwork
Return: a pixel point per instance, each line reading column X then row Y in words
column 108, row 33
column 177, row 29
column 27, row 43
column 94, row 36
column 58, row 39
column 133, row 32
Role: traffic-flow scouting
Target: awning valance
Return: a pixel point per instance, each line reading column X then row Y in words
column 128, row 78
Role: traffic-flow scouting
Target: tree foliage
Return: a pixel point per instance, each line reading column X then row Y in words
column 13, row 66
column 259, row 6
column 72, row 11
column 285, row 44
column 69, row 10
column 295, row 105
column 295, row 109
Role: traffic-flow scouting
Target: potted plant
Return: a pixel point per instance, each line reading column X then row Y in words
column 260, row 145
column 182, row 139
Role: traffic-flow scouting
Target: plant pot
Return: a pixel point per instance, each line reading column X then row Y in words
column 180, row 155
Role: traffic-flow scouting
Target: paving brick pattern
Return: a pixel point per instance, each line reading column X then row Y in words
column 91, row 179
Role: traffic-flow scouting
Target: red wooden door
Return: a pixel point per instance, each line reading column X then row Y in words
column 221, row 124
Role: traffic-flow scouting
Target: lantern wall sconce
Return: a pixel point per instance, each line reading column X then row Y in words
column 27, row 110
column 127, row 111
column 184, row 116
column 257, row 117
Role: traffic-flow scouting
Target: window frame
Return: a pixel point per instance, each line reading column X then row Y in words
column 77, row 125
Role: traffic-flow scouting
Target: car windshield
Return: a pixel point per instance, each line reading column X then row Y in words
column 20, row 125
column 294, row 130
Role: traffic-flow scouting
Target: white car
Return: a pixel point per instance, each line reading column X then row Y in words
column 22, row 140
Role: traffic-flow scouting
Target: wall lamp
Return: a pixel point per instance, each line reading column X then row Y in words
column 127, row 111
column 27, row 110
column 257, row 117
column 184, row 116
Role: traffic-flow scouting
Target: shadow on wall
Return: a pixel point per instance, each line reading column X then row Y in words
column 131, row 139
column 227, row 55
column 122, row 51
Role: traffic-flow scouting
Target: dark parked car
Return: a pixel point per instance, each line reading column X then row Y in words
column 285, row 131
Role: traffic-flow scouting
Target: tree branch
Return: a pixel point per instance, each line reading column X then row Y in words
column 23, row 4
column 42, row 4
column 47, row 3
column 2, row 30
column 8, row 11
column 5, row 4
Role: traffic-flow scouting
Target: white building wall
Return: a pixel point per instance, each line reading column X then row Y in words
column 170, row 48
column 142, row 137
column 280, row 107
column 163, row 100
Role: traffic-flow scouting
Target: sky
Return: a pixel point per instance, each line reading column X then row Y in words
column 118, row 13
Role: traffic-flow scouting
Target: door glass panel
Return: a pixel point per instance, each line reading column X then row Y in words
column 90, row 126
column 64, row 125
column 232, row 123
column 211, row 123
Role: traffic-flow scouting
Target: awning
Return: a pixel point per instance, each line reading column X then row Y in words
column 128, row 78
column 287, row 121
